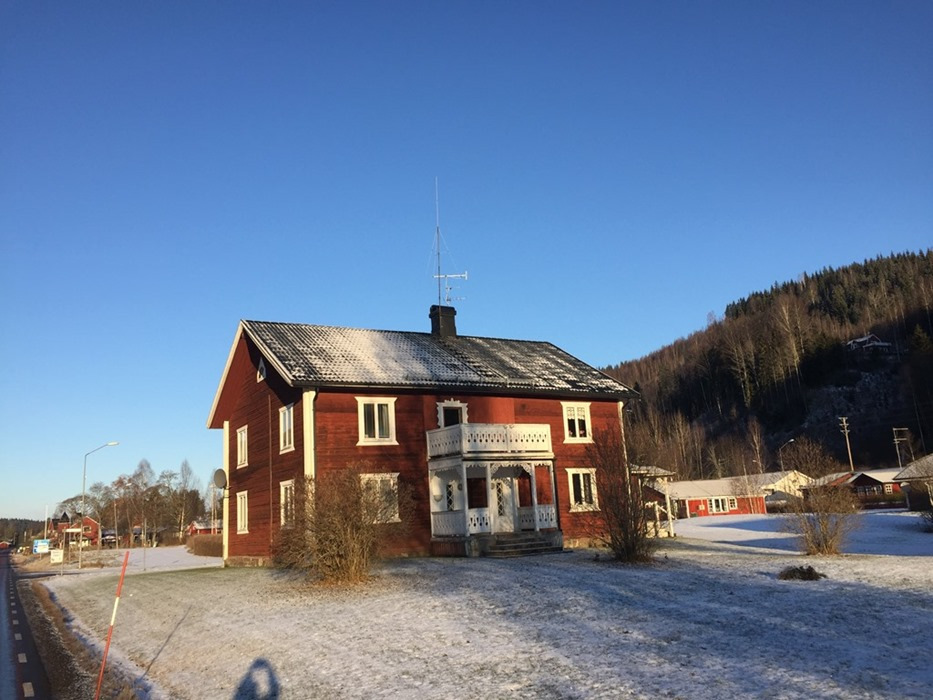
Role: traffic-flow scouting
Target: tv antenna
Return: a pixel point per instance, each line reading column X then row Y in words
column 443, row 280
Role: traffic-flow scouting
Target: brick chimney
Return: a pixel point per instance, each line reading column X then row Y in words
column 442, row 321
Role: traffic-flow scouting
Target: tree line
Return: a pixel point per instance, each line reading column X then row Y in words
column 163, row 504
column 762, row 386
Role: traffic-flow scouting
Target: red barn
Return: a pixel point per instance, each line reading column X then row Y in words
column 490, row 435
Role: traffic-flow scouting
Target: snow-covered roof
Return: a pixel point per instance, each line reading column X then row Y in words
column 883, row 476
column 313, row 355
column 651, row 472
column 712, row 488
column 918, row 469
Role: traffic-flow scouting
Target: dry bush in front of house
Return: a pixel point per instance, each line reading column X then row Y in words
column 206, row 545
column 824, row 520
column 341, row 522
column 623, row 518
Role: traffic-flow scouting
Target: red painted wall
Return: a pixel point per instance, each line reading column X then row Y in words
column 256, row 404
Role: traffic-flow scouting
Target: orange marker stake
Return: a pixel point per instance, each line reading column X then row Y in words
column 116, row 602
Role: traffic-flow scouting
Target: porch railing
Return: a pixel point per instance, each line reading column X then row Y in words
column 450, row 523
column 490, row 438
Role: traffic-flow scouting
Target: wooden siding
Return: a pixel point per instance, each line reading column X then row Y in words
column 336, row 434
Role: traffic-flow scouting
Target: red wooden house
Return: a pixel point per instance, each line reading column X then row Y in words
column 68, row 529
column 734, row 495
column 490, row 435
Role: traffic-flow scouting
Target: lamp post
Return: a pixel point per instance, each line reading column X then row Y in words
column 780, row 456
column 83, row 482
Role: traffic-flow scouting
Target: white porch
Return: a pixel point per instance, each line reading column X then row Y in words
column 488, row 479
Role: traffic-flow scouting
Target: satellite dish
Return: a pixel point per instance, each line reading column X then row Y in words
column 220, row 479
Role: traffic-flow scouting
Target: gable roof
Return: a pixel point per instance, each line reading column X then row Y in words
column 307, row 355
column 711, row 488
column 918, row 469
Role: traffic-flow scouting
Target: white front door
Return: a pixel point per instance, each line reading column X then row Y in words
column 506, row 504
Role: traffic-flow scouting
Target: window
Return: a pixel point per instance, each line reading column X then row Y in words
column 717, row 505
column 287, row 428
column 451, row 412
column 889, row 488
column 582, row 489
column 386, row 487
column 287, row 503
column 733, row 504
column 242, row 513
column 261, row 370
column 576, row 422
column 241, row 448
column 377, row 421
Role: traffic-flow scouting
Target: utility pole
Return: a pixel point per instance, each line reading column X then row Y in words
column 901, row 435
column 844, row 425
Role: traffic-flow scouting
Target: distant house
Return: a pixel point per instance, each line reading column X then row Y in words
column 875, row 488
column 869, row 344
column 654, row 484
column 779, row 488
column 489, row 435
column 68, row 530
column 204, row 527
column 736, row 495
column 916, row 481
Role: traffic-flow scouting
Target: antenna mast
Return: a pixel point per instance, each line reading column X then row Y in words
column 443, row 286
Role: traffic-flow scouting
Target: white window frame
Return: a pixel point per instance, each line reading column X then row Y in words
column 242, row 512
column 375, row 401
column 450, row 403
column 733, row 503
column 379, row 480
column 261, row 370
column 242, row 447
column 287, row 503
column 717, row 504
column 572, row 412
column 287, row 428
column 582, row 506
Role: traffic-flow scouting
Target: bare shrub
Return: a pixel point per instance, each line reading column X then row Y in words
column 206, row 545
column 623, row 518
column 341, row 523
column 926, row 520
column 800, row 573
column 824, row 519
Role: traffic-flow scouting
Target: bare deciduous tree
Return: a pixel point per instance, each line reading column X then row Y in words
column 623, row 517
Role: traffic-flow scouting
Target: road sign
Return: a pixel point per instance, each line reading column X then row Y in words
column 57, row 556
column 40, row 546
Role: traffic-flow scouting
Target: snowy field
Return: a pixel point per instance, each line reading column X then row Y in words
column 709, row 620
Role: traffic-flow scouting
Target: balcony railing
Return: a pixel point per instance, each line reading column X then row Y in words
column 481, row 439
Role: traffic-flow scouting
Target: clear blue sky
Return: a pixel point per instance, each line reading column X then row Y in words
column 609, row 174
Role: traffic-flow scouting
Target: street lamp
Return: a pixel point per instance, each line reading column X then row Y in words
column 83, row 482
column 780, row 456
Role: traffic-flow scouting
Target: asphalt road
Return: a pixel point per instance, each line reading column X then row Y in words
column 22, row 674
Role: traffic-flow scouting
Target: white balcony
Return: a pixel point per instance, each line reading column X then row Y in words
column 481, row 440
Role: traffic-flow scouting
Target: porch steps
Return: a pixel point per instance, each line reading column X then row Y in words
column 521, row 545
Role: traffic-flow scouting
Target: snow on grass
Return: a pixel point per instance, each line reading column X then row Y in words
column 709, row 620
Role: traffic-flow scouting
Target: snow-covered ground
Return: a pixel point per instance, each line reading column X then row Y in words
column 709, row 620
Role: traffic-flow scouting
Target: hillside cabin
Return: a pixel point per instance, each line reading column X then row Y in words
column 489, row 435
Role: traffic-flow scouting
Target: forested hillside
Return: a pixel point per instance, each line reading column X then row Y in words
column 769, row 383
